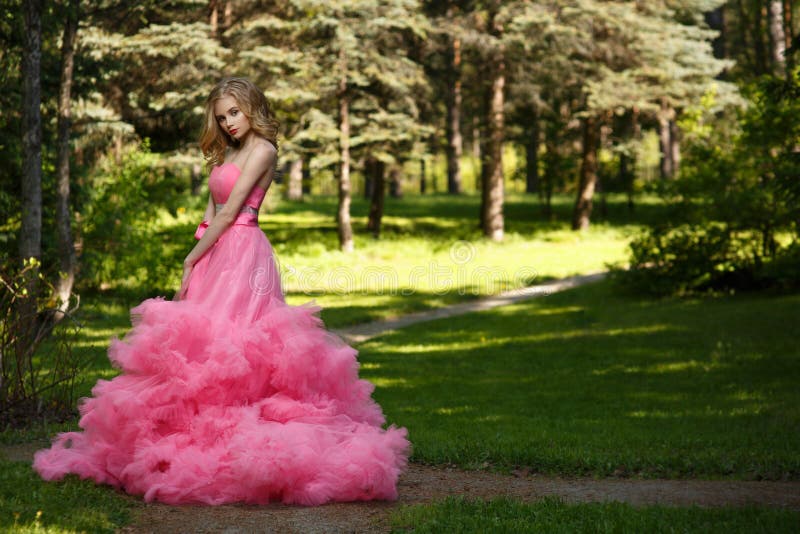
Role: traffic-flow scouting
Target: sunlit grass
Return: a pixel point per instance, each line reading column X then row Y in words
column 590, row 382
column 430, row 253
column 29, row 504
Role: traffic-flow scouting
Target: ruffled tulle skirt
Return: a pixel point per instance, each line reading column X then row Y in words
column 231, row 395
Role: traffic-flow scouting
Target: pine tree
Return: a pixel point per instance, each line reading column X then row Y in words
column 349, row 61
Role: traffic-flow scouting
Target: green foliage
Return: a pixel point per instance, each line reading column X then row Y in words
column 32, row 386
column 736, row 204
column 121, row 241
column 692, row 258
column 554, row 515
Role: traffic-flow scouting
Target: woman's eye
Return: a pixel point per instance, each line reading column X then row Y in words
column 234, row 112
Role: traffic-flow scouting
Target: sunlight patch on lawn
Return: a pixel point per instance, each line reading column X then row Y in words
column 661, row 368
column 453, row 410
column 382, row 382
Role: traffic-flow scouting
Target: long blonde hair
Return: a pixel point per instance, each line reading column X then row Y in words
column 252, row 102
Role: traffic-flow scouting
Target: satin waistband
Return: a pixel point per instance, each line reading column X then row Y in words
column 248, row 215
column 245, row 209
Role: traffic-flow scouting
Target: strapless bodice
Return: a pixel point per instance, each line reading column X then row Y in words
column 221, row 182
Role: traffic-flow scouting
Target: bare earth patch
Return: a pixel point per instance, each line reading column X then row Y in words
column 422, row 484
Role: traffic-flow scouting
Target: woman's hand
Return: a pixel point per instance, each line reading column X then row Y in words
column 187, row 272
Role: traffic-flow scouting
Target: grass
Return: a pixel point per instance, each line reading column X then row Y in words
column 583, row 382
column 588, row 382
column 553, row 515
column 29, row 504
column 430, row 253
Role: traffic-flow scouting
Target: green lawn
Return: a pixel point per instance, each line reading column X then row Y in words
column 29, row 504
column 588, row 382
column 431, row 251
column 552, row 515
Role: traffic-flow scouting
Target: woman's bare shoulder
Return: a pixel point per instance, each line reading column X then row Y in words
column 262, row 152
column 261, row 157
column 266, row 147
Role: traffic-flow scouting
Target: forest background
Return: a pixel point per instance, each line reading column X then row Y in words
column 693, row 100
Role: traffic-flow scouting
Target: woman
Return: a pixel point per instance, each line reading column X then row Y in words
column 228, row 394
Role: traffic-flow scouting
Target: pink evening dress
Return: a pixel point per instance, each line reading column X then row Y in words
column 232, row 395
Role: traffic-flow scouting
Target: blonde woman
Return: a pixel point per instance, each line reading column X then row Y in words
column 227, row 394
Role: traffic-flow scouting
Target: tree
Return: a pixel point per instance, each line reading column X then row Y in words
column 348, row 63
column 492, row 184
column 68, row 259
column 777, row 37
column 30, row 243
column 658, row 75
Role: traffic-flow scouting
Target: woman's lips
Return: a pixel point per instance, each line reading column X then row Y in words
column 232, row 132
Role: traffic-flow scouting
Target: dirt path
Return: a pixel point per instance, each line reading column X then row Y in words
column 363, row 332
column 421, row 484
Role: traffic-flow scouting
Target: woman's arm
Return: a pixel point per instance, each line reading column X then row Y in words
column 261, row 159
column 211, row 209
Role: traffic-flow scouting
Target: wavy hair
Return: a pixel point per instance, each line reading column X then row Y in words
column 252, row 102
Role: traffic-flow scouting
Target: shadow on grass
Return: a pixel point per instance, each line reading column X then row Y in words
column 442, row 216
column 589, row 382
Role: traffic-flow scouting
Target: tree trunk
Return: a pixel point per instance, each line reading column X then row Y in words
column 30, row 237
column 344, row 227
column 294, row 186
column 532, row 155
column 627, row 126
column 788, row 26
column 454, row 140
column 675, row 146
column 492, row 189
column 588, row 177
column 395, row 181
column 546, row 193
column 777, row 37
column 228, row 15
column 605, row 132
column 716, row 21
column 422, row 176
column 747, row 48
column 758, row 40
column 306, row 185
column 377, row 170
column 623, row 177
column 476, row 149
column 665, row 132
column 66, row 249
column 30, row 242
column 213, row 17
column 369, row 183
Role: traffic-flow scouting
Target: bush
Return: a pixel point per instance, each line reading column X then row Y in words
column 735, row 201
column 122, row 246
column 38, row 365
column 690, row 259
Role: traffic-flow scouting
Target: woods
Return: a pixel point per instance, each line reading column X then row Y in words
column 692, row 100
column 562, row 238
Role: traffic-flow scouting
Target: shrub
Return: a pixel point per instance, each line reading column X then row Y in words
column 36, row 338
column 735, row 201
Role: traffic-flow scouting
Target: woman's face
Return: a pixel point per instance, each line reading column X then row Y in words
column 230, row 117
